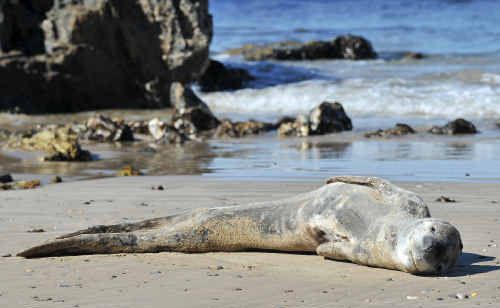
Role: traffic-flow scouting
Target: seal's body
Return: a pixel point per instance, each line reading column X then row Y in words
column 364, row 220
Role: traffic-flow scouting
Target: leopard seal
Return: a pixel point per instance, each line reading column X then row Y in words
column 365, row 220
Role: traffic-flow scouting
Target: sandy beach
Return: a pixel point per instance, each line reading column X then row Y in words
column 227, row 279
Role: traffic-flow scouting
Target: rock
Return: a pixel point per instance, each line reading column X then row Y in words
column 157, row 128
column 101, row 128
column 139, row 127
column 6, row 178
column 228, row 129
column 163, row 133
column 399, row 130
column 299, row 127
column 411, row 55
column 67, row 55
column 328, row 118
column 61, row 144
column 461, row 296
column 343, row 47
column 457, row 127
column 192, row 114
column 497, row 124
column 39, row 230
column 56, row 179
column 218, row 77
column 129, row 171
column 26, row 184
column 446, row 199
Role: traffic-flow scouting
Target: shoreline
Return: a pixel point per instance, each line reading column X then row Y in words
column 246, row 279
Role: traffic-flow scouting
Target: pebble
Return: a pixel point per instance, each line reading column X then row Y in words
column 409, row 297
column 238, row 289
column 289, row 291
column 159, row 187
column 6, row 178
column 56, row 179
column 445, row 199
column 7, row 255
column 461, row 296
column 39, row 230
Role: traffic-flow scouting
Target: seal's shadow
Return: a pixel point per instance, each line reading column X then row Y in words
column 468, row 265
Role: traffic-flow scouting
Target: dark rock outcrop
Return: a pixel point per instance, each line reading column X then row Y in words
column 457, row 127
column 343, row 47
column 329, row 118
column 325, row 118
column 399, row 130
column 192, row 114
column 219, row 77
column 228, row 129
column 71, row 55
column 101, row 128
column 59, row 144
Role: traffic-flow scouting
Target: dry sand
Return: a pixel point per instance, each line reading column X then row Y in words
column 227, row 279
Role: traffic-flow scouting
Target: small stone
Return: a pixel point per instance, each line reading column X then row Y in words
column 39, row 230
column 461, row 296
column 445, row 199
column 219, row 267
column 474, row 294
column 410, row 297
column 7, row 255
column 389, row 279
column 129, row 171
column 238, row 289
column 159, row 187
column 28, row 184
column 440, row 299
column 56, row 179
column 6, row 178
column 289, row 291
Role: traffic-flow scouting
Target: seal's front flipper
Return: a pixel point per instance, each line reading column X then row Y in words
column 340, row 251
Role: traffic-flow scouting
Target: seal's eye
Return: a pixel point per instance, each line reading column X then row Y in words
column 433, row 229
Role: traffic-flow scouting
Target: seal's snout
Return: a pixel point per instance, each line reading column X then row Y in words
column 435, row 247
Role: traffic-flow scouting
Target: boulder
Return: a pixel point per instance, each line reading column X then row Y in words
column 399, row 130
column 343, row 47
column 192, row 114
column 60, row 144
column 163, row 133
column 6, row 178
column 219, row 77
column 457, row 127
column 101, row 128
column 298, row 127
column 72, row 55
column 228, row 129
column 327, row 118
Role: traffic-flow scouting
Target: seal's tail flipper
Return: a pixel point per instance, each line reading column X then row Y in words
column 378, row 184
column 101, row 243
column 127, row 227
column 120, row 238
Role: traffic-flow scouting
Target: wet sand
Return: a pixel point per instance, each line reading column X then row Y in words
column 227, row 279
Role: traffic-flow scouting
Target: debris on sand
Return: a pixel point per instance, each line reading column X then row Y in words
column 445, row 199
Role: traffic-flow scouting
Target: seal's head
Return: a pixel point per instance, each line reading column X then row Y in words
column 432, row 247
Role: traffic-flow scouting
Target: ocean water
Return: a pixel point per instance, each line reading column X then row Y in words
column 460, row 77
